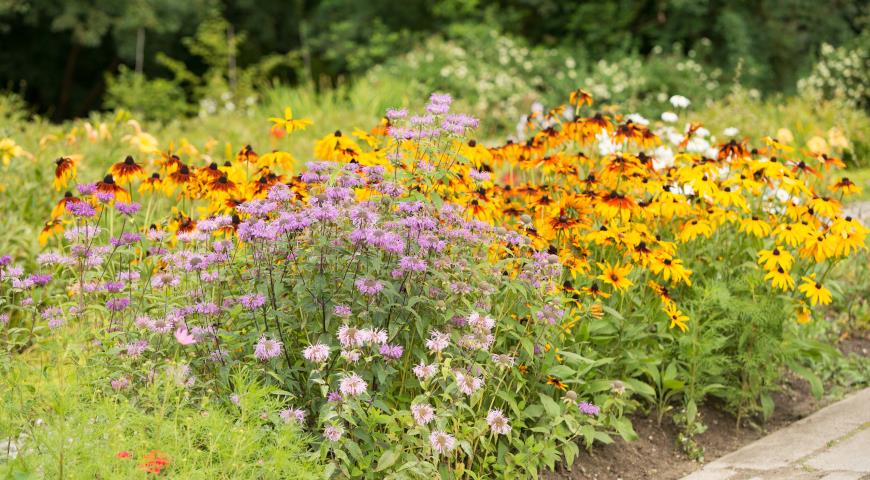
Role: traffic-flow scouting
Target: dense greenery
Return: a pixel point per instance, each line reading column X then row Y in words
column 61, row 56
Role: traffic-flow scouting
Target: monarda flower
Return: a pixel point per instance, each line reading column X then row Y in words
column 442, row 442
column 316, row 353
column 80, row 209
column 183, row 336
column 333, row 433
column 468, row 384
column 342, row 311
column 423, row 413
column 118, row 304
column 392, row 352
column 353, row 385
column 266, row 349
column 588, row 408
column 498, row 423
column 252, row 301
column 423, row 371
column 128, row 209
column 369, row 286
column 437, row 341
column 292, row 414
column 352, row 336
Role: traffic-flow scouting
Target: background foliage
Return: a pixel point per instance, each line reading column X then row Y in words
column 61, row 55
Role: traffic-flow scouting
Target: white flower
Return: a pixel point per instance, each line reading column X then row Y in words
column 663, row 157
column 679, row 101
column 637, row 118
column 731, row 132
column 669, row 117
column 606, row 145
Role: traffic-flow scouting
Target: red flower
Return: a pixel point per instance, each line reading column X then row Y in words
column 123, row 454
column 154, row 462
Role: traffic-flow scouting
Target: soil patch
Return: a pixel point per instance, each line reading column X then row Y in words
column 656, row 455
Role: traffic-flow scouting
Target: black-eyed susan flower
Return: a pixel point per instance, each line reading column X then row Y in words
column 126, row 170
column 793, row 234
column 615, row 275
column 804, row 315
column 850, row 235
column 780, row 278
column 108, row 185
column 247, row 155
column 50, row 229
column 694, row 228
column 152, row 184
column 181, row 176
column 334, row 146
column 9, row 150
column 555, row 382
column 820, row 247
column 777, row 257
column 846, row 187
column 677, row 318
column 60, row 208
column 64, row 171
column 579, row 97
column 814, row 291
column 594, row 291
column 671, row 269
column 755, row 226
column 290, row 124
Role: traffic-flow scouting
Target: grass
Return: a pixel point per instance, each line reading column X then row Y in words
column 67, row 423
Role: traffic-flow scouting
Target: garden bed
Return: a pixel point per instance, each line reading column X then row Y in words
column 657, row 454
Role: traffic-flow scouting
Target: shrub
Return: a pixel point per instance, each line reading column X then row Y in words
column 156, row 99
column 842, row 74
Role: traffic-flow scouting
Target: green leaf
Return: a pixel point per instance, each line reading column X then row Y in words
column 640, row 387
column 570, row 450
column 814, row 380
column 767, row 405
column 551, row 406
column 691, row 412
column 388, row 458
column 561, row 371
column 624, row 428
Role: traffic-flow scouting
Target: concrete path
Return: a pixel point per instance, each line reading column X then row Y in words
column 859, row 210
column 831, row 444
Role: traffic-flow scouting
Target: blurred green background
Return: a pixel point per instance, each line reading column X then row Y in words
column 166, row 59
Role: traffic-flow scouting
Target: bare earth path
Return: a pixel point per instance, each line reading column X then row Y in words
column 831, row 444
